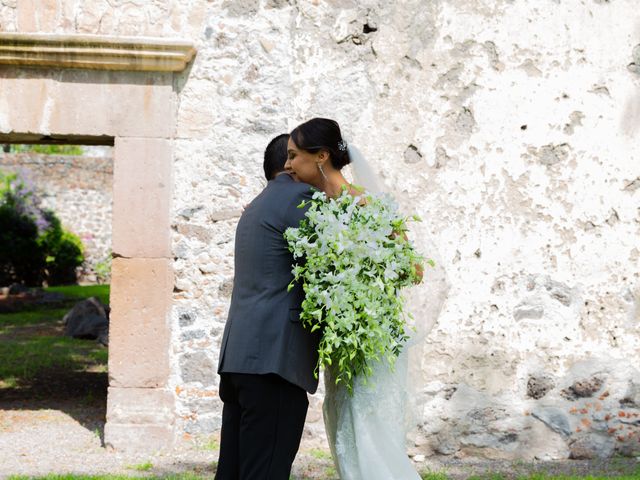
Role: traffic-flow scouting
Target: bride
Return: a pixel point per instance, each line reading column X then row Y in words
column 365, row 421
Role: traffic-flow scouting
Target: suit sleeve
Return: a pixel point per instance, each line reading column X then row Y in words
column 295, row 214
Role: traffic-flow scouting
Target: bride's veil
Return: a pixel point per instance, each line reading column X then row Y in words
column 424, row 301
column 363, row 174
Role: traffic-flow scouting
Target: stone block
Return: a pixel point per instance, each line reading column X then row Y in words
column 91, row 103
column 134, row 104
column 27, row 11
column 540, row 443
column 22, row 102
column 554, row 418
column 583, row 388
column 591, row 446
column 142, row 184
column 131, row 437
column 539, row 385
column 37, row 15
column 140, row 406
column 198, row 367
column 139, row 325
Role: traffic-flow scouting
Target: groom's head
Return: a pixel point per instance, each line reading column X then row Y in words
column 275, row 156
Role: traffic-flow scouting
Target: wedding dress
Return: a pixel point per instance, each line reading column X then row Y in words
column 367, row 430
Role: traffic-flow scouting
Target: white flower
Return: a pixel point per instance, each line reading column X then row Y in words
column 353, row 266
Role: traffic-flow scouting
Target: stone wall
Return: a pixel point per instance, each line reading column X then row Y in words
column 79, row 190
column 509, row 126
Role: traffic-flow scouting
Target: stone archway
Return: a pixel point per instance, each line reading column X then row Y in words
column 120, row 91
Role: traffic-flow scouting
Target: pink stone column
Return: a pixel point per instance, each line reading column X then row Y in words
column 140, row 408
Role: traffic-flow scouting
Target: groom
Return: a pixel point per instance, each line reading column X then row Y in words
column 267, row 358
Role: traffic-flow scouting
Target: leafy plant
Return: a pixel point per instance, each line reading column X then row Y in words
column 356, row 258
column 33, row 245
column 63, row 252
column 21, row 222
column 48, row 149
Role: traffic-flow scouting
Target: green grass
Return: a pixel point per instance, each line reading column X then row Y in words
column 31, row 341
column 182, row 476
column 86, row 291
column 329, row 473
column 211, row 444
column 36, row 315
column 534, row 476
column 26, row 357
column 141, row 467
column 320, row 454
column 434, row 476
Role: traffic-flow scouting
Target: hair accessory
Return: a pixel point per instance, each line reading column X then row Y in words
column 342, row 145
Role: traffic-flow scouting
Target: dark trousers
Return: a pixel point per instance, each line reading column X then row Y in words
column 262, row 421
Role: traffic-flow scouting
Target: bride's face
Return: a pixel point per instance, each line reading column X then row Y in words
column 303, row 165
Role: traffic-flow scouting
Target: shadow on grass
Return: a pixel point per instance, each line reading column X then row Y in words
column 41, row 369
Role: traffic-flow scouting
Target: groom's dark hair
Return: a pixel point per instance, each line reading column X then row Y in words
column 275, row 156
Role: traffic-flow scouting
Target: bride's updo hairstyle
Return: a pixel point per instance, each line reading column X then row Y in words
column 322, row 134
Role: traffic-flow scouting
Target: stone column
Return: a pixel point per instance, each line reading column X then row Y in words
column 140, row 410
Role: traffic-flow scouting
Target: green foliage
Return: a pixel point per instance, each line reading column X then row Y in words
column 63, row 252
column 103, row 269
column 21, row 259
column 356, row 258
column 33, row 245
column 48, row 149
column 20, row 224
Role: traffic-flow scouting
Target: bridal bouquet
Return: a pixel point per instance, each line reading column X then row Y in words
column 354, row 257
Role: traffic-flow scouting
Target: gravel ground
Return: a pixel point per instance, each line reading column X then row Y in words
column 38, row 440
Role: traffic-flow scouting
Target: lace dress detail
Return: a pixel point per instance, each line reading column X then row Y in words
column 366, row 431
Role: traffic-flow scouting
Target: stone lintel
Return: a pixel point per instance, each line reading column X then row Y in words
column 95, row 52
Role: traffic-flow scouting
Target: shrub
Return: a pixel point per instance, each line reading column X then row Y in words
column 21, row 259
column 33, row 245
column 63, row 252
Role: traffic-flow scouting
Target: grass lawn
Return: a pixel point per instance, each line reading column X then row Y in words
column 85, row 291
column 32, row 341
column 426, row 476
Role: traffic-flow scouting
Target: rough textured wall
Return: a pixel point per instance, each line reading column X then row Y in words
column 510, row 126
column 78, row 190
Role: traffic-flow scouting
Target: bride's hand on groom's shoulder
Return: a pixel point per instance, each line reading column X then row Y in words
column 419, row 269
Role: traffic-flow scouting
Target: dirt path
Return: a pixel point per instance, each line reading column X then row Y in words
column 38, row 438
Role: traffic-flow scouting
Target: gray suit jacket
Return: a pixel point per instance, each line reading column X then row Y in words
column 263, row 333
